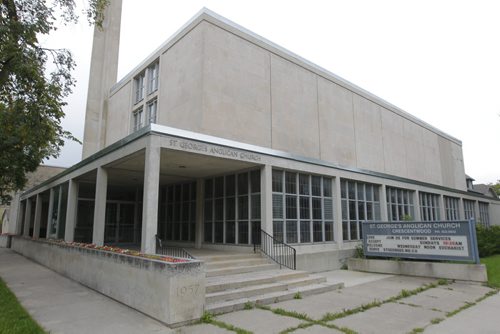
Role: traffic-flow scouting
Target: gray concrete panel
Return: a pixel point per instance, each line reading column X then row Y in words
column 368, row 132
column 181, row 83
column 394, row 144
column 236, row 88
column 336, row 123
column 119, row 113
column 295, row 125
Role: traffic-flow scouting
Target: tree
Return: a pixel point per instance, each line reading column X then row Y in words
column 31, row 96
column 496, row 187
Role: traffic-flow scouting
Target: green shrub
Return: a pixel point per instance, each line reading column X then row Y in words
column 488, row 240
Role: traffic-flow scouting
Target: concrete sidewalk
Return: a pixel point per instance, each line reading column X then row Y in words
column 61, row 305
column 392, row 304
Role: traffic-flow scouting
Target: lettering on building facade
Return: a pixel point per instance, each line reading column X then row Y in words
column 219, row 151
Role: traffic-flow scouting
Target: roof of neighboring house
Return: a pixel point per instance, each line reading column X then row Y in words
column 485, row 189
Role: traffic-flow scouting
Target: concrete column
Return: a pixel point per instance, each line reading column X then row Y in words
column 101, row 189
column 51, row 211
column 337, row 197
column 150, row 199
column 58, row 223
column 38, row 216
column 27, row 218
column 416, row 203
column 69, row 232
column 442, row 210
column 383, row 204
column 200, row 190
column 461, row 211
column 18, row 214
column 266, row 198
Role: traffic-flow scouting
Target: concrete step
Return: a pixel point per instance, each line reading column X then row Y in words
column 239, row 269
column 255, row 290
column 228, row 282
column 272, row 297
column 244, row 292
column 227, row 257
column 236, row 263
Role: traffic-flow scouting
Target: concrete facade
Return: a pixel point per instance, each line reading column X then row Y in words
column 217, row 78
column 219, row 115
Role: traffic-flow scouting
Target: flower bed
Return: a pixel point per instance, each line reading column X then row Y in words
column 119, row 250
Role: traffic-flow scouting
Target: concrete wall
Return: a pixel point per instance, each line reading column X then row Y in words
column 463, row 272
column 323, row 260
column 216, row 79
column 170, row 292
column 119, row 122
column 494, row 213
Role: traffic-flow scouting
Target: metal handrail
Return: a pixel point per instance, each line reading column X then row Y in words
column 163, row 249
column 281, row 253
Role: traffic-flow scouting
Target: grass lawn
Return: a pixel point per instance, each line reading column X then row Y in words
column 13, row 317
column 493, row 267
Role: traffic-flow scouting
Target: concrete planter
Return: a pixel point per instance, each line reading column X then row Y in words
column 173, row 293
column 463, row 272
column 5, row 240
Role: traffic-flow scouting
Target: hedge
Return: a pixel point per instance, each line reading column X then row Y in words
column 488, row 240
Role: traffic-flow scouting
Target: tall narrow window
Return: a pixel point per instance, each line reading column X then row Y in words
column 484, row 216
column 469, row 209
column 429, row 206
column 153, row 78
column 139, row 87
column 451, row 207
column 360, row 202
column 152, row 111
column 138, row 118
column 302, row 207
column 399, row 204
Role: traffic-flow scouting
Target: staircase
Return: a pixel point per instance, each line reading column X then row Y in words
column 235, row 279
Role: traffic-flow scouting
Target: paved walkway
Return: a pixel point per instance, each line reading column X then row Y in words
column 370, row 303
column 61, row 305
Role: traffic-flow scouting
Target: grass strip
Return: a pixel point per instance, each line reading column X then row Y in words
column 13, row 317
column 470, row 304
column 493, row 269
column 208, row 318
column 403, row 294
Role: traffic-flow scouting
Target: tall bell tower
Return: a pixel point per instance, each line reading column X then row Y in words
column 103, row 74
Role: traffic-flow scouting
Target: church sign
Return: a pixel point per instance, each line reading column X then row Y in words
column 436, row 240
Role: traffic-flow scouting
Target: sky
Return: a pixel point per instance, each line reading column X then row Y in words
column 438, row 60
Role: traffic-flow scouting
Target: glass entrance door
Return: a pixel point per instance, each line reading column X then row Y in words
column 119, row 227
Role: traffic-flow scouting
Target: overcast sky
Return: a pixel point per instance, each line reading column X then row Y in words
column 438, row 60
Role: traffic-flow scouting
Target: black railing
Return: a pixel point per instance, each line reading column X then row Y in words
column 163, row 249
column 281, row 253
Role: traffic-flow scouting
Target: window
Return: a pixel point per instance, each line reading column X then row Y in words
column 429, row 206
column 469, row 209
column 484, row 216
column 360, row 202
column 153, row 77
column 232, row 208
column 138, row 119
column 451, row 208
column 152, row 108
column 399, row 204
column 139, row 87
column 180, row 215
column 302, row 207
